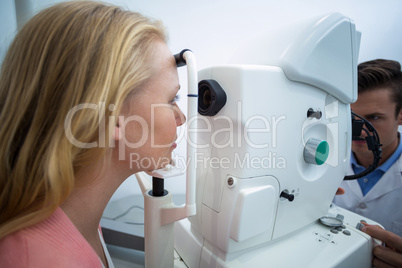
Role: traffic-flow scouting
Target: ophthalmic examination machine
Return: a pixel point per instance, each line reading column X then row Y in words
column 267, row 150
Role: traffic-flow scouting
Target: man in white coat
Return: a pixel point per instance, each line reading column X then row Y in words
column 378, row 195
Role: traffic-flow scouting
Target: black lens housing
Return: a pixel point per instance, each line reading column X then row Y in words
column 211, row 97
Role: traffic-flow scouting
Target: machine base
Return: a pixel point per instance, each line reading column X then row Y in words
column 316, row 245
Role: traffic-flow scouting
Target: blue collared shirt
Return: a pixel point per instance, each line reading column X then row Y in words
column 368, row 181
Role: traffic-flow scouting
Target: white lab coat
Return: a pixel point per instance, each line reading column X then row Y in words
column 383, row 203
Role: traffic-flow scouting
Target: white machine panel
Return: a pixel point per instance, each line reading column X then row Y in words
column 274, row 140
column 248, row 222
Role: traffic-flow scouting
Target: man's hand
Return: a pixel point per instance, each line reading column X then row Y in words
column 340, row 191
column 389, row 255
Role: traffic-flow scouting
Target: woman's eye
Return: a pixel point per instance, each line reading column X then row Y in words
column 176, row 98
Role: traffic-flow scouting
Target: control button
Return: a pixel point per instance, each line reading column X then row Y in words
column 346, row 232
column 320, row 240
column 359, row 226
column 331, row 221
column 316, row 151
column 339, row 228
column 314, row 113
column 288, row 196
column 340, row 216
column 334, row 231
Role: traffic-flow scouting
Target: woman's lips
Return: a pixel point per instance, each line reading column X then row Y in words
column 174, row 145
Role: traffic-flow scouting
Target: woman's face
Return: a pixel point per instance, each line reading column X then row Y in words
column 151, row 117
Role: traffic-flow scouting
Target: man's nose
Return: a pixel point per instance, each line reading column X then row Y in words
column 363, row 134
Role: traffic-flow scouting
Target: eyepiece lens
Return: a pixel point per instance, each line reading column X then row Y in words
column 207, row 98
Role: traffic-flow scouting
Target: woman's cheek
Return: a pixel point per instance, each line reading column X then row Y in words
column 135, row 133
column 166, row 129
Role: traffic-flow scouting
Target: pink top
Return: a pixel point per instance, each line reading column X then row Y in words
column 54, row 242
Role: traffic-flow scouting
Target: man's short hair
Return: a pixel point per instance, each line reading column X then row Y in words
column 381, row 73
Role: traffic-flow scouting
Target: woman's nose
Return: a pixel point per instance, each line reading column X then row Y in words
column 180, row 117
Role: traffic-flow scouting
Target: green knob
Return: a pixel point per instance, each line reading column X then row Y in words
column 316, row 151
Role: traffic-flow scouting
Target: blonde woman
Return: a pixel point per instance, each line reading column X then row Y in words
column 85, row 89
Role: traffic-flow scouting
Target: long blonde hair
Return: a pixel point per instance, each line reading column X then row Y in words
column 70, row 54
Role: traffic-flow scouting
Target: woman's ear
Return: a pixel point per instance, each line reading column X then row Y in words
column 118, row 129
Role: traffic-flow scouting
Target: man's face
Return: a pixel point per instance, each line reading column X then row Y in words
column 378, row 108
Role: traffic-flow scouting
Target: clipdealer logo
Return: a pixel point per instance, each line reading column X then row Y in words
column 236, row 136
column 238, row 132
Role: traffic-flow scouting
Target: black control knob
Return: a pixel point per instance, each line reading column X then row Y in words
column 288, row 196
column 314, row 113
